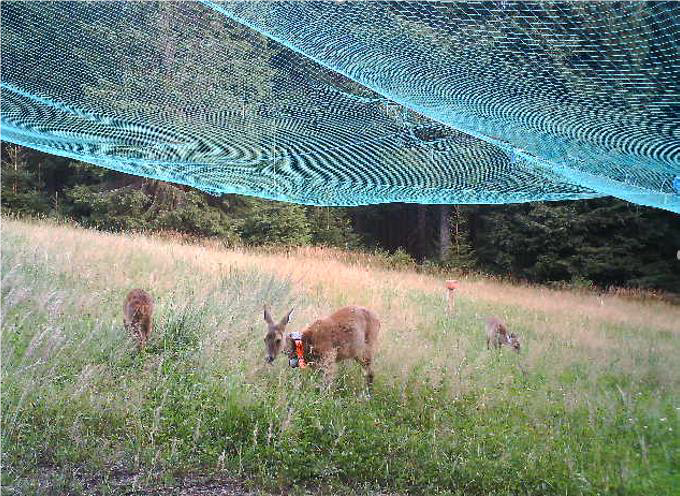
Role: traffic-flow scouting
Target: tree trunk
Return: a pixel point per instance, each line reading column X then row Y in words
column 422, row 230
column 15, row 157
column 444, row 232
column 456, row 229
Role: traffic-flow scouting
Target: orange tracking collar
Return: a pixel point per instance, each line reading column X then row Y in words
column 299, row 359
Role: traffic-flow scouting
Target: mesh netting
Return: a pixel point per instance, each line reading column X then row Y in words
column 346, row 103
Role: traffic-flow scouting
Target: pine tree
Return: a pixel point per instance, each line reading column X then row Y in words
column 21, row 184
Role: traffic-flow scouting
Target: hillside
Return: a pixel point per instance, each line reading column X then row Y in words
column 589, row 405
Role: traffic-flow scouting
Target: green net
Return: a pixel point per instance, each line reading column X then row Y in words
column 347, row 103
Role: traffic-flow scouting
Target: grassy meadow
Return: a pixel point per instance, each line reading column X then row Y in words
column 591, row 405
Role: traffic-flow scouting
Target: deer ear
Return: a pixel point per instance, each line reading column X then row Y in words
column 286, row 319
column 267, row 316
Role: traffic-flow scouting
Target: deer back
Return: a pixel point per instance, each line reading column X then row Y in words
column 138, row 311
column 351, row 332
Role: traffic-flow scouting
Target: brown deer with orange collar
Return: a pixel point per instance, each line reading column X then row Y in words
column 351, row 332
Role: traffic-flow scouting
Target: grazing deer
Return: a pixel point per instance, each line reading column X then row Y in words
column 351, row 332
column 451, row 286
column 137, row 313
column 497, row 335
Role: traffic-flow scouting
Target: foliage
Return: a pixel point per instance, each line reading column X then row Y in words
column 117, row 210
column 608, row 242
column 21, row 185
column 332, row 227
column 282, row 224
column 462, row 255
column 600, row 242
column 397, row 260
column 195, row 216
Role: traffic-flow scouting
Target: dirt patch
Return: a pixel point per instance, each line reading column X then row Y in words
column 51, row 481
column 201, row 486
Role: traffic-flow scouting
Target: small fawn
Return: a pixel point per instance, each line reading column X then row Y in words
column 497, row 335
column 351, row 332
column 137, row 315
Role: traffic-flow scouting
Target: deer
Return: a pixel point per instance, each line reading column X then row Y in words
column 497, row 335
column 349, row 333
column 137, row 315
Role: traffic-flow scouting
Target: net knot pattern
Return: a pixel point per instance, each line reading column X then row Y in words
column 351, row 103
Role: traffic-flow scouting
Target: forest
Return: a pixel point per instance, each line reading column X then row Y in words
column 601, row 242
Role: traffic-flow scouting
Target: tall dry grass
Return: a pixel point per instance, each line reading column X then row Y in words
column 588, row 359
column 593, row 323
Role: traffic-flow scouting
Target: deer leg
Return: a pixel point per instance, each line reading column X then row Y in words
column 146, row 330
column 138, row 333
column 366, row 363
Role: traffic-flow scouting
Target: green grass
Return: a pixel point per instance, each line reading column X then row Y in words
column 446, row 417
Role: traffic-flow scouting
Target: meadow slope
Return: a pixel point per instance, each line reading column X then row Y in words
column 590, row 406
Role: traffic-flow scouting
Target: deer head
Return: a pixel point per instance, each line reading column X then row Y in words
column 274, row 340
column 513, row 341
